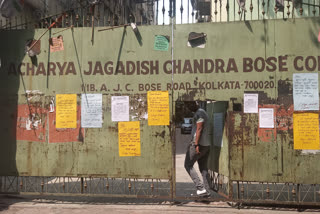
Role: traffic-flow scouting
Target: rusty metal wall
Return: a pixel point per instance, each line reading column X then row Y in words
column 255, row 154
column 215, row 72
column 45, row 151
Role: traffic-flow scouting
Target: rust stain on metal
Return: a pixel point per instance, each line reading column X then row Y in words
column 235, row 136
column 242, row 128
column 139, row 107
column 284, row 120
column 192, row 92
column 265, row 99
column 267, row 135
column 285, row 93
column 162, row 134
column 189, row 95
column 31, row 122
column 113, row 129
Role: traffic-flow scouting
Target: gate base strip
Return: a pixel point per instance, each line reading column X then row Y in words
column 238, row 203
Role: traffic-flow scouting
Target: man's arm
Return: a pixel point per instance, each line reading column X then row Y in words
column 198, row 134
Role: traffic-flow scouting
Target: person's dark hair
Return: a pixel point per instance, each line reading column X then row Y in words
column 194, row 105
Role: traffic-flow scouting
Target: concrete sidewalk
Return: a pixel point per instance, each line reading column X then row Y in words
column 83, row 205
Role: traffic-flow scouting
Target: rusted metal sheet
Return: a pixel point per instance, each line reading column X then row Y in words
column 65, row 135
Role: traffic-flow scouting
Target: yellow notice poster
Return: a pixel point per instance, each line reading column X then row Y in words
column 158, row 108
column 306, row 131
column 66, row 113
column 129, row 138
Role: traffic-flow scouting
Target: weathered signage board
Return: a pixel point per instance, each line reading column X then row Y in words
column 246, row 57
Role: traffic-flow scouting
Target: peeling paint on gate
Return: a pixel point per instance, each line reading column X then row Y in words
column 31, row 123
column 138, row 107
column 65, row 135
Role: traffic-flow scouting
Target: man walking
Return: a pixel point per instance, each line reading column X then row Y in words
column 198, row 150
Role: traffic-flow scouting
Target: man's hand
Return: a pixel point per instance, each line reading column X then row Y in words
column 197, row 149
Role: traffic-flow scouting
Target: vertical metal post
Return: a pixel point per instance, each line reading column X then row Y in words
column 227, row 9
column 173, row 141
column 181, row 10
column 220, row 11
column 263, row 10
column 298, row 193
column 174, row 10
column 251, row 8
column 173, row 131
column 157, row 12
column 234, row 10
column 258, row 9
column 5, row 182
column 230, row 184
column 81, row 185
column 163, row 11
column 238, row 190
column 215, row 10
column 192, row 14
column 314, row 192
column 188, row 11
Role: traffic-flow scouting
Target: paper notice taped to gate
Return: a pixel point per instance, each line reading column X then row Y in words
column 91, row 110
column 161, row 43
column 306, row 131
column 158, row 108
column 305, row 92
column 56, row 44
column 250, row 103
column 266, row 118
column 120, row 108
column 129, row 138
column 66, row 113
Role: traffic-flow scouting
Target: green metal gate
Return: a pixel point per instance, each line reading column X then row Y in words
column 254, row 164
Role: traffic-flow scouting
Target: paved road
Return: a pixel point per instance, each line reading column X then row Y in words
column 55, row 205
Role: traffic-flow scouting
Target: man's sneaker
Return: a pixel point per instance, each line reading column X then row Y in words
column 203, row 193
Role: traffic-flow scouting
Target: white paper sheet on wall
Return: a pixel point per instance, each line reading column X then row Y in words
column 305, row 92
column 250, row 103
column 91, row 110
column 120, row 108
column 266, row 118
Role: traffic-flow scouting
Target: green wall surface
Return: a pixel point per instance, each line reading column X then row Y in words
column 239, row 57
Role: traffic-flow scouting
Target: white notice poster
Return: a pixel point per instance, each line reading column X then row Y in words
column 266, row 118
column 218, row 124
column 305, row 92
column 250, row 103
column 91, row 110
column 120, row 108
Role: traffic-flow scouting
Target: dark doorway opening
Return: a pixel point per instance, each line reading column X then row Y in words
column 183, row 123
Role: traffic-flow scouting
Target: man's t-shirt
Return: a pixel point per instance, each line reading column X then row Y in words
column 201, row 116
